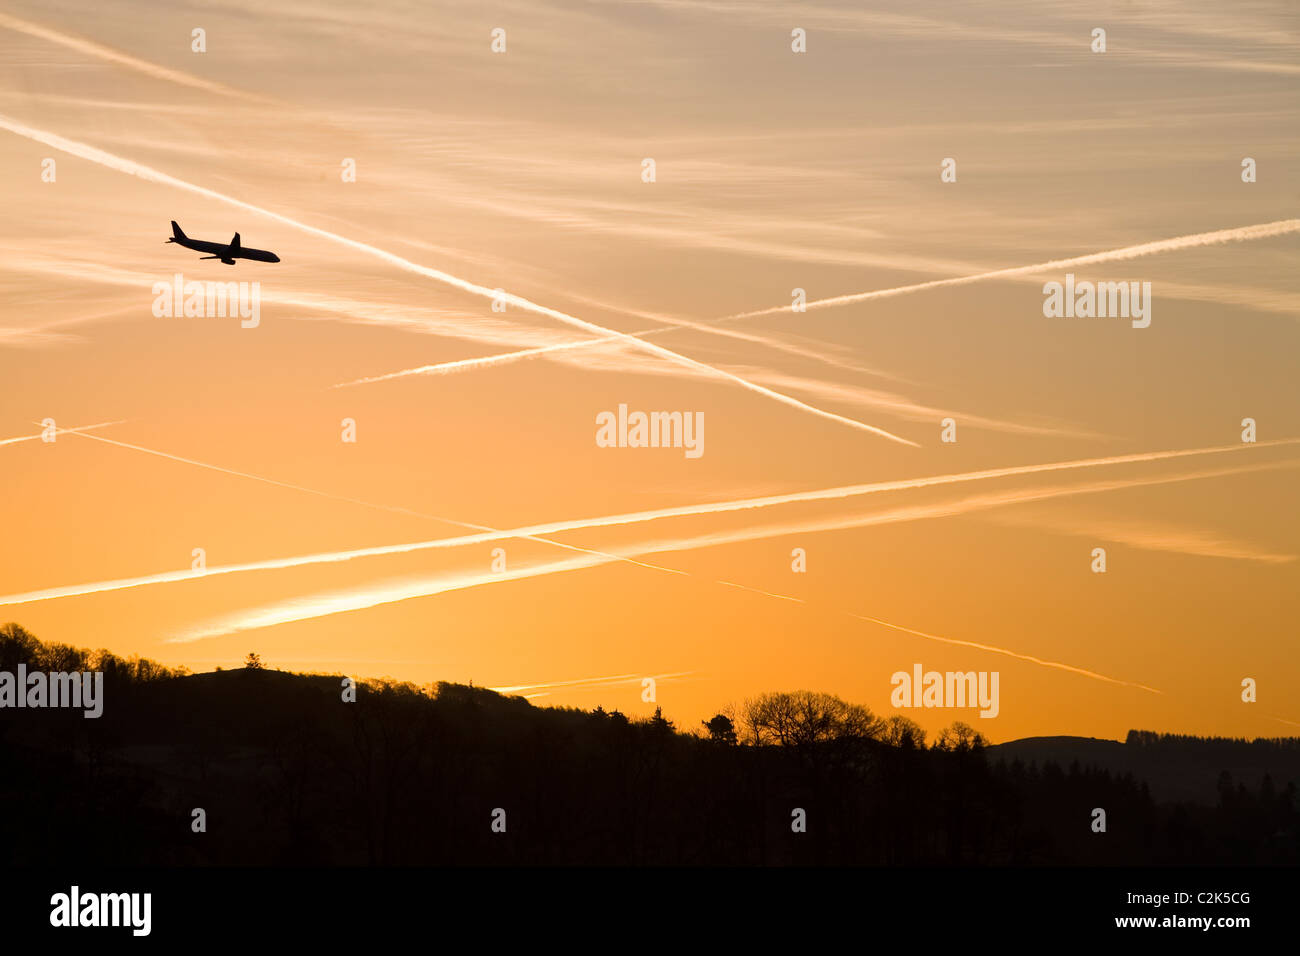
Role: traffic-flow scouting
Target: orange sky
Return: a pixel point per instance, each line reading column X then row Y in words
column 774, row 171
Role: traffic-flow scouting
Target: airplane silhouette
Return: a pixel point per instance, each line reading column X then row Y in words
column 226, row 253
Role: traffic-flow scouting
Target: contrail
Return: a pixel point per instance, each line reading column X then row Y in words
column 122, row 59
column 322, row 605
column 316, row 606
column 1265, row 230
column 942, row 509
column 461, row 365
column 519, row 355
column 150, row 174
column 510, row 688
column 302, row 609
column 1241, row 234
column 771, row 594
column 62, row 431
column 355, row 599
column 1000, row 650
column 334, row 557
column 356, row 501
column 591, row 681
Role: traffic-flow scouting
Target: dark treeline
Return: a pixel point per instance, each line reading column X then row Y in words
column 288, row 773
column 1152, row 742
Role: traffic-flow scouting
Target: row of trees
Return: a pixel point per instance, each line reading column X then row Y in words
column 805, row 718
column 18, row 646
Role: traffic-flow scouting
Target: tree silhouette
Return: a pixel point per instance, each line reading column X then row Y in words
column 805, row 717
column 960, row 738
column 253, row 662
column 900, row 731
column 721, row 729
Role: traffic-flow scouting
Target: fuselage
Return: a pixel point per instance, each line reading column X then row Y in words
column 225, row 251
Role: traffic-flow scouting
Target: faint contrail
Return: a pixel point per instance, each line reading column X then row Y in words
column 61, row 431
column 334, row 557
column 591, row 681
column 462, row 365
column 1004, row 651
column 1265, row 230
column 150, row 174
column 123, row 59
column 771, row 594
column 519, row 355
column 504, row 689
column 358, row 501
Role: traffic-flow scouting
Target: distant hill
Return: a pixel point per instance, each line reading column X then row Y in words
column 1175, row 768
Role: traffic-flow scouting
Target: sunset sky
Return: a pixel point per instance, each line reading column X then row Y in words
column 774, row 170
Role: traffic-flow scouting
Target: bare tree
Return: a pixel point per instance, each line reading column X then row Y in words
column 960, row 738
column 900, row 731
column 803, row 717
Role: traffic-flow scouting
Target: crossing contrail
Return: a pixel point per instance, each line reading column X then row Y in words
column 148, row 173
column 1241, row 234
column 1267, row 230
column 463, row 365
column 361, row 598
column 550, row 528
column 393, row 591
column 61, row 431
column 355, row 501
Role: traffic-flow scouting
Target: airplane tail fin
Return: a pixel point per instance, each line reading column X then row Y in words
column 176, row 231
column 234, row 243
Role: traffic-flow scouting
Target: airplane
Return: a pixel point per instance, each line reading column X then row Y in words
column 226, row 253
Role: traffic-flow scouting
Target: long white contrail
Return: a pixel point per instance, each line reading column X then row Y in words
column 61, row 431
column 148, row 173
column 368, row 596
column 1267, row 230
column 848, row 491
column 361, row 598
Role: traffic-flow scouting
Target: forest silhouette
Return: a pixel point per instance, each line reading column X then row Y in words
column 287, row 773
